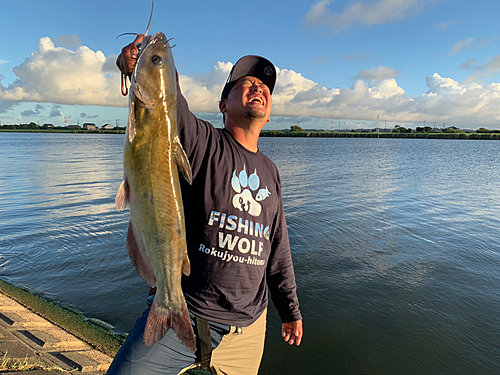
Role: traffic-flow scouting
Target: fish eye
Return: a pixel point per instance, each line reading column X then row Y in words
column 157, row 60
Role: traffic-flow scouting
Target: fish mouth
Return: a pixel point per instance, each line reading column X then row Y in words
column 159, row 37
column 150, row 40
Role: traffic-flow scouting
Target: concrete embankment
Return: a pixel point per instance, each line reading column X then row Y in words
column 32, row 342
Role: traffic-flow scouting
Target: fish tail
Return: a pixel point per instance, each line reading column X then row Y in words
column 161, row 319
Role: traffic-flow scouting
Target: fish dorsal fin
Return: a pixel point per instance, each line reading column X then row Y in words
column 182, row 161
column 121, row 199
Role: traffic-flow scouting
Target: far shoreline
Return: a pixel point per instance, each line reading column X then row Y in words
column 300, row 134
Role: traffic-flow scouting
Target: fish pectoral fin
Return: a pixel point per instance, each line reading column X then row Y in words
column 182, row 161
column 138, row 258
column 186, row 265
column 121, row 199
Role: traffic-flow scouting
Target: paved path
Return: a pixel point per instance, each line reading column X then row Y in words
column 26, row 335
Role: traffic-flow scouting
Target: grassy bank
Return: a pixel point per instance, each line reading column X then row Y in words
column 99, row 337
column 303, row 134
column 83, row 131
column 329, row 134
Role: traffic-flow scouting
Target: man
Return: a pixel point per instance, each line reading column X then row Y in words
column 236, row 233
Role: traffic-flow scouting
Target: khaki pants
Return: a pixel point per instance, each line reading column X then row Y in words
column 240, row 354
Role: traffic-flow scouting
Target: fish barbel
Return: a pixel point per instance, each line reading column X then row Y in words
column 156, row 238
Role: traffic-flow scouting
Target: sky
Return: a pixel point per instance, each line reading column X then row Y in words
column 341, row 64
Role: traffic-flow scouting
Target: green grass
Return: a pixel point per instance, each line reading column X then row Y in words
column 9, row 364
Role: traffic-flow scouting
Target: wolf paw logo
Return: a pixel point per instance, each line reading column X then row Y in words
column 244, row 186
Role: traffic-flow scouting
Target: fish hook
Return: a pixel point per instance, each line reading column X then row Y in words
column 124, row 87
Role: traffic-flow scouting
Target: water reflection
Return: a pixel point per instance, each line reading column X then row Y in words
column 394, row 245
column 60, row 225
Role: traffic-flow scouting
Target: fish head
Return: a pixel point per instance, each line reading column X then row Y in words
column 154, row 74
column 153, row 84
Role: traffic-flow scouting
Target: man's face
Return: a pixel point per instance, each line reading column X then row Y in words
column 249, row 98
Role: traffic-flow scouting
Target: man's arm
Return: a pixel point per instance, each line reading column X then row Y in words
column 281, row 280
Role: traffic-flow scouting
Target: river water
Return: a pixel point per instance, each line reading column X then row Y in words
column 395, row 244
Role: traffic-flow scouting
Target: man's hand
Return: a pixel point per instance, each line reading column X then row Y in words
column 127, row 59
column 292, row 332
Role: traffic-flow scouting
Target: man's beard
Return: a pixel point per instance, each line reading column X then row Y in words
column 256, row 114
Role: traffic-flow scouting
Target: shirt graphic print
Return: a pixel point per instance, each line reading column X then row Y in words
column 246, row 187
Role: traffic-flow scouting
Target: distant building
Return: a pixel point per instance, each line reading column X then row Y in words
column 372, row 130
column 89, row 126
column 73, row 127
column 107, row 127
column 48, row 126
column 384, row 130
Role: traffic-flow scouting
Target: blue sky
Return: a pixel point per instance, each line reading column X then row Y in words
column 401, row 61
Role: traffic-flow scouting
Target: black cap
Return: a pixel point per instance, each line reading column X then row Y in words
column 254, row 66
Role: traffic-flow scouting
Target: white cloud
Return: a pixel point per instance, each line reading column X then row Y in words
column 320, row 60
column 462, row 44
column 6, row 105
column 363, row 13
column 493, row 65
column 487, row 42
column 471, row 43
column 60, row 75
column 203, row 91
column 380, row 72
column 469, row 103
column 469, row 64
column 481, row 72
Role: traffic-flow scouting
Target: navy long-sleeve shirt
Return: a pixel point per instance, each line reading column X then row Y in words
column 237, row 236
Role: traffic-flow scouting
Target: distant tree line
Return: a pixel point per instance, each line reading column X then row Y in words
column 31, row 125
column 398, row 131
column 484, row 130
column 35, row 126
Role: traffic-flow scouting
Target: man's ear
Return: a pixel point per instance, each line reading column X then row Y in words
column 222, row 106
